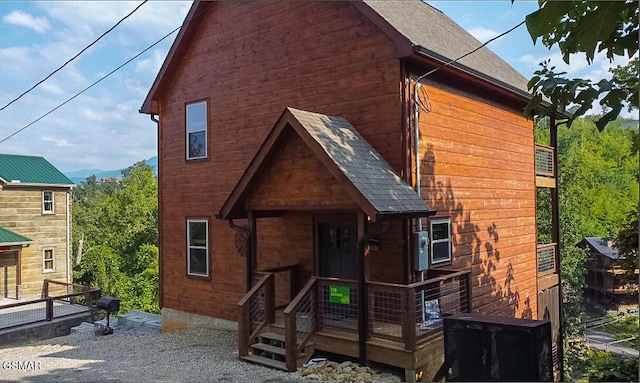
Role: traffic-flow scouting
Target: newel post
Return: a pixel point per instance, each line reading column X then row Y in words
column 409, row 318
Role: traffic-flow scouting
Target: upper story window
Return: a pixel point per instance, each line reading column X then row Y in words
column 197, row 130
column 198, row 247
column 47, row 260
column 440, row 240
column 47, row 202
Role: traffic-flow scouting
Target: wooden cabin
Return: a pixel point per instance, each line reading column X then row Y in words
column 607, row 283
column 35, row 226
column 292, row 138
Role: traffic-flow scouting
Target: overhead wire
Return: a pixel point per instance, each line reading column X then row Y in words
column 186, row 23
column 103, row 77
column 471, row 52
column 74, row 57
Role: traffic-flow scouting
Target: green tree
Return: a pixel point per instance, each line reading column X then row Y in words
column 120, row 220
column 586, row 27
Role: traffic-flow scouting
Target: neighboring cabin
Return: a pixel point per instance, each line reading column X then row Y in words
column 35, row 226
column 606, row 282
column 287, row 155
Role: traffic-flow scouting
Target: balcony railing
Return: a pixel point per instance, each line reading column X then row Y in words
column 547, row 258
column 545, row 161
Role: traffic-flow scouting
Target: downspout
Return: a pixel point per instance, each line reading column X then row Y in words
column 157, row 121
column 363, row 308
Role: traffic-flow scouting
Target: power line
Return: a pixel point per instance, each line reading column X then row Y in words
column 103, row 77
column 74, row 57
column 472, row 51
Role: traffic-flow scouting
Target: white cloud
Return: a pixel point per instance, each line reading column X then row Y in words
column 38, row 24
column 483, row 34
column 59, row 142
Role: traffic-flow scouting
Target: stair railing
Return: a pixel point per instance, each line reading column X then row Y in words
column 300, row 323
column 257, row 309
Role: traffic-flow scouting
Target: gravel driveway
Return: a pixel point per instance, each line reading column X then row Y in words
column 194, row 355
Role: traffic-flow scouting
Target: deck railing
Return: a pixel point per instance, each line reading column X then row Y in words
column 300, row 322
column 286, row 283
column 545, row 161
column 409, row 314
column 257, row 309
column 55, row 304
column 547, row 258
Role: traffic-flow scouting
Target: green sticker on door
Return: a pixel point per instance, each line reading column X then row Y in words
column 339, row 294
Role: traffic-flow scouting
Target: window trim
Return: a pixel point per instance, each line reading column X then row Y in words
column 436, row 221
column 206, row 133
column 44, row 202
column 206, row 248
column 53, row 260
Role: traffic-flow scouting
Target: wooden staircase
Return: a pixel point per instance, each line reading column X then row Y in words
column 270, row 350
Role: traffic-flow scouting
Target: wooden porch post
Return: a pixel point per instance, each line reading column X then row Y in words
column 555, row 235
column 19, row 274
column 252, row 250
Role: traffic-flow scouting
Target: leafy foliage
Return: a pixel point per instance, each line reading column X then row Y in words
column 627, row 244
column 597, row 184
column 119, row 224
column 607, row 367
column 586, row 27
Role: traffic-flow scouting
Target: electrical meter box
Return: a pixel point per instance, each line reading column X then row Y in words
column 421, row 250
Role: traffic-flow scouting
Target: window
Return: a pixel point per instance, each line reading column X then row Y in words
column 440, row 240
column 198, row 248
column 197, row 130
column 47, row 202
column 47, row 260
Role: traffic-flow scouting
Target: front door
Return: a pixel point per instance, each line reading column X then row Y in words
column 337, row 238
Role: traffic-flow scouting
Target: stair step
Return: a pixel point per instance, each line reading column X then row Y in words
column 272, row 336
column 269, row 348
column 265, row 362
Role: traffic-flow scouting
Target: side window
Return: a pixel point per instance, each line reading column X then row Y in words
column 440, row 240
column 198, row 248
column 196, row 120
column 48, row 265
column 47, row 202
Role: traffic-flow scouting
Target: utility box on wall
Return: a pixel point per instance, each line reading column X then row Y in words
column 481, row 348
column 421, row 252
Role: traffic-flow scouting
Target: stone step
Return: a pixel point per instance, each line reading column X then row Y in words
column 265, row 362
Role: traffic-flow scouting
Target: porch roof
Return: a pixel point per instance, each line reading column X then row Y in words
column 9, row 238
column 368, row 179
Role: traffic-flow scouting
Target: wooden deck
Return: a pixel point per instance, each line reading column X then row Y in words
column 12, row 317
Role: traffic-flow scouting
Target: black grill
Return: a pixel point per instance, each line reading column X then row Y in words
column 110, row 305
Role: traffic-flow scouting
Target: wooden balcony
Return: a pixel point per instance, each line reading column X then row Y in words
column 404, row 322
column 545, row 166
column 547, row 265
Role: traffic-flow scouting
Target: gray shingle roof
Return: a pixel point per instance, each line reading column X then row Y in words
column 367, row 178
column 601, row 246
column 363, row 166
column 427, row 27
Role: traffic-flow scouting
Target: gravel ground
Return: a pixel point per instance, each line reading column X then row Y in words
column 195, row 355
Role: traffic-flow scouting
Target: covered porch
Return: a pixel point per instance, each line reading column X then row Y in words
column 329, row 259
column 11, row 245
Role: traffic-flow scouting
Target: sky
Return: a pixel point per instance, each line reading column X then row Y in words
column 102, row 129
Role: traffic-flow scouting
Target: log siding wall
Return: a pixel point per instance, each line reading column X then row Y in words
column 478, row 168
column 21, row 212
column 250, row 60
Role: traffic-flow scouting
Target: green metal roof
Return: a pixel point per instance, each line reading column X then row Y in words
column 30, row 170
column 8, row 237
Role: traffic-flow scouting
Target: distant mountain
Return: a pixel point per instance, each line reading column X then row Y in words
column 81, row 175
